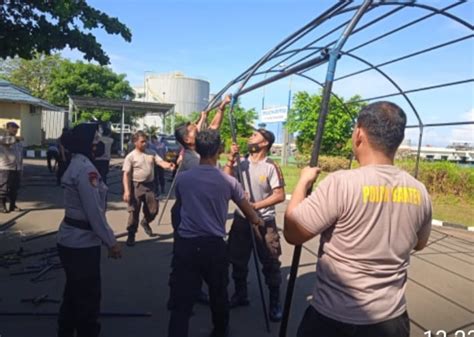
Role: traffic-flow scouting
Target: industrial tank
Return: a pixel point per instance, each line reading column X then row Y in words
column 188, row 94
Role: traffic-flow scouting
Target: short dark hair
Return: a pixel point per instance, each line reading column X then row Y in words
column 385, row 124
column 137, row 135
column 208, row 143
column 181, row 132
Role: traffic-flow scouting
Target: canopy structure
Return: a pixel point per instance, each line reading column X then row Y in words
column 334, row 37
column 125, row 106
column 309, row 48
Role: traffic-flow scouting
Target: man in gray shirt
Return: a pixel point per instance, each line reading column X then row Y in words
column 186, row 136
column 200, row 252
column 11, row 167
column 264, row 184
column 369, row 219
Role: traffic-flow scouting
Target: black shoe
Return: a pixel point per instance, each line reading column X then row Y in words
column 275, row 311
column 216, row 333
column 239, row 299
column 147, row 229
column 131, row 240
column 15, row 209
column 203, row 298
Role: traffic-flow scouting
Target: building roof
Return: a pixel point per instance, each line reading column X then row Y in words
column 118, row 104
column 11, row 93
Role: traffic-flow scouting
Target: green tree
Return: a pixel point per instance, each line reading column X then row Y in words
column 28, row 27
column 244, row 120
column 34, row 74
column 86, row 79
column 303, row 120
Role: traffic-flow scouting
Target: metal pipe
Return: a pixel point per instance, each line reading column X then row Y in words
column 122, row 137
column 448, row 84
column 333, row 57
column 233, row 131
column 418, row 152
column 440, row 124
column 53, row 314
column 404, row 57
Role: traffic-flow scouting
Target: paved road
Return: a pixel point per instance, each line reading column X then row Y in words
column 440, row 289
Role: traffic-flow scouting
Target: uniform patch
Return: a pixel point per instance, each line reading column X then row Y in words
column 94, row 178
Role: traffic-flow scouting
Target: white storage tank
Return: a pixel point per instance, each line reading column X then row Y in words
column 188, row 94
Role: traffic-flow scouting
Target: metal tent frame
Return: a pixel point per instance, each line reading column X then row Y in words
column 299, row 60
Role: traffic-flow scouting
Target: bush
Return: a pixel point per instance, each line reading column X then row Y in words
column 326, row 163
column 443, row 177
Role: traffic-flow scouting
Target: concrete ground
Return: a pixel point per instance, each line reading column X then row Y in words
column 440, row 289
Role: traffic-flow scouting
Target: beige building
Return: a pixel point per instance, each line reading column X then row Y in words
column 16, row 104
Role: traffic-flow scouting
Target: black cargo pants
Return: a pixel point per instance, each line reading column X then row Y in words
column 142, row 194
column 240, row 249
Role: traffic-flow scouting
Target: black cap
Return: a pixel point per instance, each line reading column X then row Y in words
column 12, row 125
column 268, row 135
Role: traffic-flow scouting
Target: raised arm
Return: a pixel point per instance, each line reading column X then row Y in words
column 201, row 120
column 219, row 117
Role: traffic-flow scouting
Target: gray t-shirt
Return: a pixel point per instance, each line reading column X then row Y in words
column 265, row 176
column 204, row 193
column 190, row 159
column 369, row 220
column 84, row 199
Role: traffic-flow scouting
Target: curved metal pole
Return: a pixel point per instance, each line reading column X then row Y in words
column 247, row 74
column 418, row 152
column 333, row 57
column 420, row 122
column 420, row 52
column 323, row 18
column 406, row 25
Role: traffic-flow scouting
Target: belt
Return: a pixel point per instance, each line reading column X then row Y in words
column 81, row 224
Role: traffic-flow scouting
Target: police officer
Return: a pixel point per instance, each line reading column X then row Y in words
column 139, row 185
column 264, row 180
column 11, row 166
column 81, row 233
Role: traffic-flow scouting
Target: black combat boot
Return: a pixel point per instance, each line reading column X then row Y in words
column 131, row 239
column 276, row 313
column 240, row 297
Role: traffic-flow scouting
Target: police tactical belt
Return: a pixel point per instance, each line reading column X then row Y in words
column 81, row 224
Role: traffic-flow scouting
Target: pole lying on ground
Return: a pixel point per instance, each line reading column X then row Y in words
column 31, row 238
column 252, row 234
column 333, row 57
column 54, row 314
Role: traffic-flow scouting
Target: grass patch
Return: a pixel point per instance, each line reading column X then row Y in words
column 454, row 210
